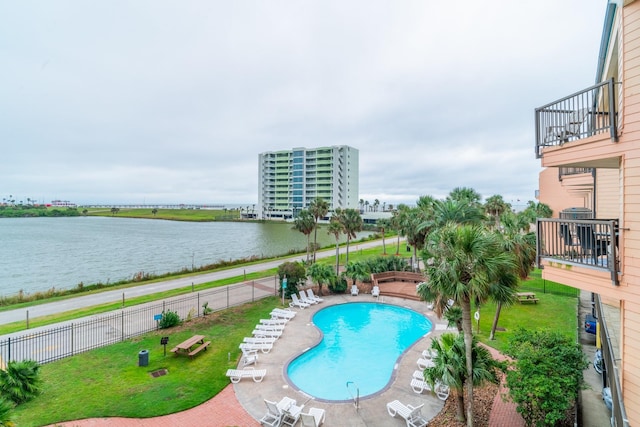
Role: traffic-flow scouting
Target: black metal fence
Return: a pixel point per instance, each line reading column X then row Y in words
column 547, row 287
column 47, row 345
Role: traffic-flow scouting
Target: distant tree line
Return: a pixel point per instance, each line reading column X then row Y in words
column 25, row 211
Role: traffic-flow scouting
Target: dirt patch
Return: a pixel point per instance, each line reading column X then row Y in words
column 158, row 373
column 482, row 402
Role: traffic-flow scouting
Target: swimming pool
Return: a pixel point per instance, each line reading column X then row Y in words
column 361, row 344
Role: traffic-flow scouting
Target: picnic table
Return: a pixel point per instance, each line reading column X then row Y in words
column 185, row 347
column 527, row 297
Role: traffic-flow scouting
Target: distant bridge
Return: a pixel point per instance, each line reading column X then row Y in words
column 156, row 206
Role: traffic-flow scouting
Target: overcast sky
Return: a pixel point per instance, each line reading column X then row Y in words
column 172, row 101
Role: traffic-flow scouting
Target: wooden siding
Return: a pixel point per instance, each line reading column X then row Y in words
column 559, row 195
column 608, row 194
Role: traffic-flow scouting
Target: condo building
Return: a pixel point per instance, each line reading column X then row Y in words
column 588, row 143
column 291, row 179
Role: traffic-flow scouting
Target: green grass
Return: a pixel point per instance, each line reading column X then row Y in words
column 171, row 214
column 554, row 312
column 108, row 381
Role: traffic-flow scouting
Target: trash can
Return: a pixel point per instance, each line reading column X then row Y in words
column 143, row 358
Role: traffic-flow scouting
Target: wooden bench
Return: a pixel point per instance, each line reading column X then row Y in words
column 198, row 349
column 398, row 283
column 533, row 300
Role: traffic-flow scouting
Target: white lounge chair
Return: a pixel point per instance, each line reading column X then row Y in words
column 235, row 375
column 275, row 411
column 419, row 385
column 313, row 418
column 262, row 327
column 260, row 333
column 283, row 313
column 259, row 340
column 291, row 415
column 412, row 415
column 264, row 347
column 425, row 363
column 354, row 290
column 249, row 357
column 429, row 353
column 273, row 417
column 276, row 321
column 302, row 295
column 313, row 296
column 295, row 302
column 442, row 391
column 375, row 291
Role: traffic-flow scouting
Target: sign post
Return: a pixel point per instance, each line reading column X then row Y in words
column 284, row 286
column 164, row 341
column 476, row 316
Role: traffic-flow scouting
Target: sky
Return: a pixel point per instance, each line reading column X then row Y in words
column 155, row 101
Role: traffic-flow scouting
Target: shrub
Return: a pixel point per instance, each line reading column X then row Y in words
column 547, row 376
column 338, row 284
column 295, row 273
column 169, row 319
column 206, row 309
column 20, row 382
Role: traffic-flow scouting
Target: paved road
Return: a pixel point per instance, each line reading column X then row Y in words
column 118, row 295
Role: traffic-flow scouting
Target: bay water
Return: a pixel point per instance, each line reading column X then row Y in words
column 37, row 254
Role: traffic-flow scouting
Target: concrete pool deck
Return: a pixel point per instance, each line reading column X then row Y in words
column 300, row 334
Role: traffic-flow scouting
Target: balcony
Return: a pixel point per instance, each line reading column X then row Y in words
column 581, row 242
column 586, row 113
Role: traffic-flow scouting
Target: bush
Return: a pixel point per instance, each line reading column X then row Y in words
column 547, row 376
column 20, row 382
column 338, row 284
column 169, row 319
column 295, row 273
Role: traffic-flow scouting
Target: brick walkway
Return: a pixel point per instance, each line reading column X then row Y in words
column 503, row 414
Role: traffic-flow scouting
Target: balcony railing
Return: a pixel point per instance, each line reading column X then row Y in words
column 582, row 242
column 586, row 113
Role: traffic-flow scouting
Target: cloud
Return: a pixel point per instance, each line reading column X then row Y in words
column 173, row 102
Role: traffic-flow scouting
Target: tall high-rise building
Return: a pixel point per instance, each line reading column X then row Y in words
column 290, row 179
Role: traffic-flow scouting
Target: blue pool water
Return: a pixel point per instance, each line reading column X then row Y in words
column 361, row 344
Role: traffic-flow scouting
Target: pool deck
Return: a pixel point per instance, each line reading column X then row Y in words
column 300, row 334
column 242, row 404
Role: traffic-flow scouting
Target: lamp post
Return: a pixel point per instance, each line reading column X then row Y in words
column 284, row 286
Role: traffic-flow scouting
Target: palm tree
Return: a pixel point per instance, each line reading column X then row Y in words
column 335, row 228
column 462, row 262
column 465, row 194
column 361, row 204
column 383, row 224
column 305, row 224
column 495, row 206
column 356, row 271
column 351, row 223
column 320, row 273
column 319, row 209
column 410, row 221
column 154, row 211
column 20, row 382
column 376, row 203
column 450, row 366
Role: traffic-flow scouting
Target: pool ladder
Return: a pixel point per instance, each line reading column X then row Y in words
column 356, row 398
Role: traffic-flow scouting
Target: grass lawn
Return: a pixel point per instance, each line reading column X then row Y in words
column 553, row 312
column 108, row 381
